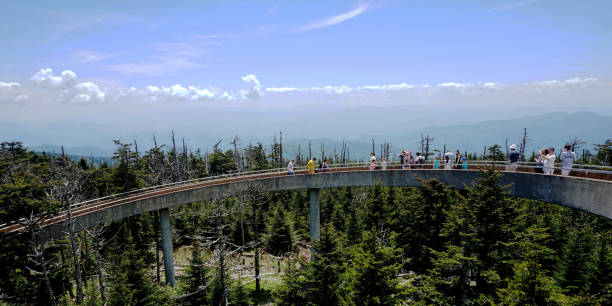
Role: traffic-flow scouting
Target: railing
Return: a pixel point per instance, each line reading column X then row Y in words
column 333, row 167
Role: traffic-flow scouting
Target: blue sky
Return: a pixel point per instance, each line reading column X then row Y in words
column 216, row 42
column 72, row 61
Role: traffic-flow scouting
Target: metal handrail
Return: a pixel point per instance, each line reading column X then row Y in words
column 365, row 165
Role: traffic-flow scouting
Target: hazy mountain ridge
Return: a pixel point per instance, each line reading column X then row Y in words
column 553, row 129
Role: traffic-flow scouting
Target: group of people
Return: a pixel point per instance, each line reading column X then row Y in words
column 452, row 160
column 408, row 160
column 323, row 166
column 545, row 161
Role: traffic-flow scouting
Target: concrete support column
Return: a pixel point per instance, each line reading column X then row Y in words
column 166, row 231
column 315, row 217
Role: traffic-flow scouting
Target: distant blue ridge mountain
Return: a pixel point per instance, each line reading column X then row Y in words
column 553, row 129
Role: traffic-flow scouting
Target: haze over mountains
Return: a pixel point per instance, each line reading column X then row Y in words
column 553, row 129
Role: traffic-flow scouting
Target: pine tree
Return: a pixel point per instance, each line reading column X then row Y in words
column 371, row 276
column 573, row 269
column 483, row 223
column 374, row 208
column 531, row 284
column 197, row 278
column 323, row 273
column 278, row 238
column 129, row 280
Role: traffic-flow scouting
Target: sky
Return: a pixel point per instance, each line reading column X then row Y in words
column 315, row 68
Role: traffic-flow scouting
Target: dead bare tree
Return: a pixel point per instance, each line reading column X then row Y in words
column 373, row 147
column 236, row 156
column 32, row 224
column 255, row 198
column 67, row 182
column 98, row 242
column 280, row 165
column 309, row 149
column 428, row 141
column 422, row 144
column 523, row 144
column 322, row 151
column 507, row 148
column 576, row 144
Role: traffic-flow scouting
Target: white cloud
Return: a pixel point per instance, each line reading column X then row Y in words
column 9, row 85
column 22, row 97
column 255, row 92
column 452, row 85
column 402, row 86
column 282, row 89
column 91, row 90
column 57, row 89
column 90, row 56
column 11, row 91
column 197, row 93
column 44, row 77
column 334, row 20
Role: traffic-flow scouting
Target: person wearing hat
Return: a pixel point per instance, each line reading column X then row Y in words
column 513, row 158
column 464, row 164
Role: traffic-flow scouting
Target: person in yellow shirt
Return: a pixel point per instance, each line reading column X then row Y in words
column 311, row 166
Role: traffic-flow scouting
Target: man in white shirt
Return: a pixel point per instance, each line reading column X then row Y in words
column 549, row 161
column 451, row 160
column 290, row 167
column 567, row 160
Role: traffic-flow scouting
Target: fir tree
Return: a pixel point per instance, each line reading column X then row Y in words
column 371, row 276
column 197, row 279
column 278, row 238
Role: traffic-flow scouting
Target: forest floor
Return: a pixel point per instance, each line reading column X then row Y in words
column 242, row 265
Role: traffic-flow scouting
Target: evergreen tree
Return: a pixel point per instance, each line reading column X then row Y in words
column 130, row 283
column 530, row 284
column 197, row 278
column 278, row 238
column 371, row 275
column 324, row 272
column 374, row 208
column 483, row 224
column 574, row 269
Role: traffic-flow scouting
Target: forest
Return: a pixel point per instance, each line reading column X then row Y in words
column 433, row 245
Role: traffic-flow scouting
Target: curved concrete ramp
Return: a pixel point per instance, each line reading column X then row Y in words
column 591, row 195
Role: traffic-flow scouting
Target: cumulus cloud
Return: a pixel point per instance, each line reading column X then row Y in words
column 334, row 20
column 45, row 77
column 11, row 91
column 65, row 88
column 88, row 92
column 255, row 91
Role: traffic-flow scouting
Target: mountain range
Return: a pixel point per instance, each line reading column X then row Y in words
column 552, row 129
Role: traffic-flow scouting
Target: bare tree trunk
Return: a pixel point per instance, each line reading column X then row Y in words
column 523, row 144
column 100, row 276
column 373, row 148
column 256, row 239
column 309, row 149
column 507, row 152
column 280, row 165
column 221, row 250
column 75, row 256
column 38, row 253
